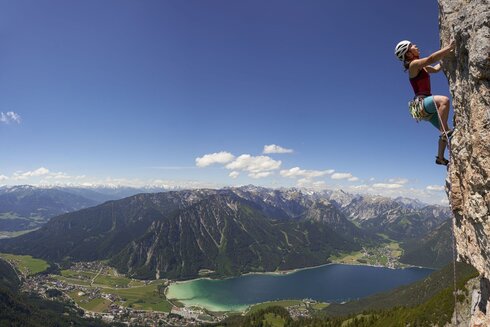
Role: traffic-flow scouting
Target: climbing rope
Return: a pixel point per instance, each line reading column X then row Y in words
column 454, row 218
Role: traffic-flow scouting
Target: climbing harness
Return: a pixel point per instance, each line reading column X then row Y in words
column 447, row 134
column 417, row 111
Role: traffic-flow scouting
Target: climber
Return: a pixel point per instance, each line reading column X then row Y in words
column 418, row 71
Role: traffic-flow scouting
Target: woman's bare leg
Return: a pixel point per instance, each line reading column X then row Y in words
column 442, row 103
column 441, row 147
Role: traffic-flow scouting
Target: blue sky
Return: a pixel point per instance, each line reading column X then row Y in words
column 145, row 92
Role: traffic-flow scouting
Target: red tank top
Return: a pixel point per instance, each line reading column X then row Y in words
column 421, row 83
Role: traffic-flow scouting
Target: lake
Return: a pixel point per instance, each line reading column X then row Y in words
column 328, row 283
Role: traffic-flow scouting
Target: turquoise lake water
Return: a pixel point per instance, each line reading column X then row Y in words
column 329, row 283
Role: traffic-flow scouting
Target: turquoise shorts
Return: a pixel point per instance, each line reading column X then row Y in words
column 430, row 107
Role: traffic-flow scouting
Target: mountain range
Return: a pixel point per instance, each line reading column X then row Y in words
column 25, row 207
column 176, row 234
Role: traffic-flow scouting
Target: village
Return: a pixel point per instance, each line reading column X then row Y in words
column 48, row 287
column 386, row 255
column 98, row 291
column 52, row 287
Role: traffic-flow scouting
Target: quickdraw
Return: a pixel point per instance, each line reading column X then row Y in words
column 417, row 111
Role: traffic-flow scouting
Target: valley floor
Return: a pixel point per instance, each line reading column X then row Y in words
column 103, row 293
column 386, row 255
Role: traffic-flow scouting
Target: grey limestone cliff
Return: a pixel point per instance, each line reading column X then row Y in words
column 468, row 72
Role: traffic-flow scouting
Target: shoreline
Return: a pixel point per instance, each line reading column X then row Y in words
column 274, row 273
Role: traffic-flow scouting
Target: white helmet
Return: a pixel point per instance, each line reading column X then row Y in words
column 401, row 49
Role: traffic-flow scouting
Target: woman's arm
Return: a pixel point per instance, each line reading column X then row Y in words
column 433, row 69
column 418, row 64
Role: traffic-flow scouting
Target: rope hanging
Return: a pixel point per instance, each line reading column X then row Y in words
column 454, row 218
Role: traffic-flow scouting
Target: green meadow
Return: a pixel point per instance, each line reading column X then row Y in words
column 376, row 255
column 26, row 264
column 103, row 280
column 5, row 234
column 143, row 298
column 95, row 305
column 132, row 293
column 78, row 275
column 319, row 306
column 72, row 281
column 111, row 281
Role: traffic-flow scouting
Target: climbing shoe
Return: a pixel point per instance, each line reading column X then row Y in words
column 442, row 161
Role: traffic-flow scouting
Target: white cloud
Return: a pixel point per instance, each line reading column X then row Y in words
column 176, row 184
column 387, row 185
column 310, row 184
column 38, row 172
column 3, row 178
column 341, row 176
column 173, row 167
column 218, row 157
column 272, row 148
column 58, row 175
column 435, row 188
column 19, row 175
column 254, row 165
column 44, row 176
column 353, row 179
column 398, row 180
column 260, row 174
column 298, row 172
column 360, row 187
column 9, row 117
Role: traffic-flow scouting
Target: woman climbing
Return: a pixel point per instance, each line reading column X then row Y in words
column 418, row 71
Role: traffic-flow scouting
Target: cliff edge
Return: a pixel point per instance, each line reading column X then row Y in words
column 468, row 183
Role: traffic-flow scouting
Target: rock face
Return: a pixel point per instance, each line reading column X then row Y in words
column 468, row 72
